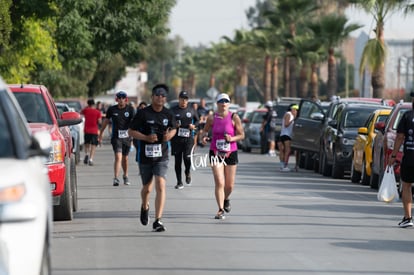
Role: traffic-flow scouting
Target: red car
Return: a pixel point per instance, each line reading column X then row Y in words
column 42, row 114
column 384, row 143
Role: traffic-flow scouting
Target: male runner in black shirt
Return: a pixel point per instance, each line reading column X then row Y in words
column 183, row 141
column 121, row 115
column 153, row 126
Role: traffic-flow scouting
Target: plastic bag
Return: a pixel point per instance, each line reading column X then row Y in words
column 388, row 191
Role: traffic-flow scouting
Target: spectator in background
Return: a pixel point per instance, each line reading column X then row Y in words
column 286, row 136
column 203, row 113
column 269, row 126
column 142, row 105
column 93, row 118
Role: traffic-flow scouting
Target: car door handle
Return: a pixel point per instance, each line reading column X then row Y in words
column 298, row 125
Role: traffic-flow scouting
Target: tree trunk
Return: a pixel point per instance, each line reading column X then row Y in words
column 286, row 75
column 275, row 79
column 314, row 81
column 293, row 77
column 332, row 82
column 303, row 81
column 267, row 78
column 378, row 83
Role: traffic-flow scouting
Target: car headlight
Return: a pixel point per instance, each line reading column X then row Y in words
column 55, row 155
column 347, row 141
column 12, row 193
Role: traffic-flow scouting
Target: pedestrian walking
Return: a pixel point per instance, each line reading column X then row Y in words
column 286, row 136
column 183, row 142
column 405, row 137
column 120, row 115
column 153, row 126
column 93, row 118
column 226, row 130
column 202, row 112
column 269, row 127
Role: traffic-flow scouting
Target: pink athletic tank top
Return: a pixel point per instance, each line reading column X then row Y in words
column 220, row 127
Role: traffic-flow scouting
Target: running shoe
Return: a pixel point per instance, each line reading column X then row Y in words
column 179, row 185
column 406, row 222
column 157, row 226
column 144, row 217
column 86, row 159
column 126, row 180
column 90, row 162
column 285, row 169
column 220, row 215
column 188, row 179
column 227, row 206
column 116, row 182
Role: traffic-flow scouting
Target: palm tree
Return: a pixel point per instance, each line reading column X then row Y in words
column 374, row 53
column 332, row 29
column 240, row 45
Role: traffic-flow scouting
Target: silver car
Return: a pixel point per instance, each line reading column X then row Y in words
column 25, row 198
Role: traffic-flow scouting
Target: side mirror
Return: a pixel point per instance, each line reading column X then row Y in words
column 363, row 131
column 317, row 116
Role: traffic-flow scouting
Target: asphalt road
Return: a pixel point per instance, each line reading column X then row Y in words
column 280, row 223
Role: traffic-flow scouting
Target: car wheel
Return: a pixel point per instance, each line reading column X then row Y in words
column 326, row 168
column 74, row 184
column 364, row 175
column 337, row 170
column 355, row 175
column 64, row 211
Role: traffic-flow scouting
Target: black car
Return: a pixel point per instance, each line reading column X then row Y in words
column 339, row 137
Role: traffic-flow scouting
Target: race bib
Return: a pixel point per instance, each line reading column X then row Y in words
column 122, row 133
column 182, row 132
column 153, row 150
column 222, row 145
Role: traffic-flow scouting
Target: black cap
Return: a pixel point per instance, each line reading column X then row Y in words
column 183, row 94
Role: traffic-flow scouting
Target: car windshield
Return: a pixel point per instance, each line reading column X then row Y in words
column 356, row 118
column 6, row 142
column 34, row 107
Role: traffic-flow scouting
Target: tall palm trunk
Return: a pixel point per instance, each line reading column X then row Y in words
column 314, row 81
column 267, row 78
column 275, row 79
column 332, row 82
column 292, row 80
column 303, row 81
column 378, row 75
column 286, row 75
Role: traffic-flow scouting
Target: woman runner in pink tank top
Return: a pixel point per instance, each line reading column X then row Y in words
column 226, row 130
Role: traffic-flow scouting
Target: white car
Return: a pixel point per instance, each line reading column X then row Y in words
column 25, row 199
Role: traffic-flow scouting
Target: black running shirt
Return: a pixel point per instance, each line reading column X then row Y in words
column 120, row 120
column 148, row 121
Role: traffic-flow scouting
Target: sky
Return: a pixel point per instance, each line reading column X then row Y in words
column 206, row 21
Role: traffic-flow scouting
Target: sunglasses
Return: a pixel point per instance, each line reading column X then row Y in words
column 160, row 92
column 121, row 97
column 223, row 101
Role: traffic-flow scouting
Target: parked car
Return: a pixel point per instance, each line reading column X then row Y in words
column 310, row 124
column 41, row 113
column 362, row 149
column 384, row 144
column 339, row 136
column 75, row 131
column 25, row 200
column 252, row 135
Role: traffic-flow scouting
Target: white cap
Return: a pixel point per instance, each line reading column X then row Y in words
column 269, row 104
column 223, row 96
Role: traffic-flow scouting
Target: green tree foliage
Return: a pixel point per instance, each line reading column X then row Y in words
column 5, row 23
